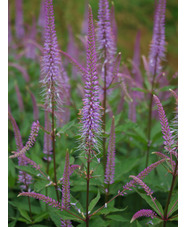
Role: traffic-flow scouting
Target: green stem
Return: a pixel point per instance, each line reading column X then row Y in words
column 53, row 140
column 170, row 194
column 88, row 184
column 150, row 115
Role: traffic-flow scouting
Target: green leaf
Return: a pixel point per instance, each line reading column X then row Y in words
column 39, row 185
column 28, row 169
column 67, row 126
column 139, row 89
column 118, row 218
column 124, row 166
column 62, row 214
column 94, row 202
column 166, row 88
column 12, row 224
column 40, row 217
column 150, row 202
column 78, row 204
column 109, row 208
column 174, row 199
column 25, row 214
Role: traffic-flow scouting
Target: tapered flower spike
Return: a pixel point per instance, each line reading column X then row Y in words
column 19, row 27
column 105, row 38
column 66, row 190
column 110, row 166
column 30, row 47
column 30, row 142
column 91, row 117
column 157, row 47
column 23, row 178
column 143, row 174
column 142, row 184
column 51, row 79
column 19, row 98
column 167, row 134
column 43, row 198
column 41, row 19
column 136, row 60
column 143, row 213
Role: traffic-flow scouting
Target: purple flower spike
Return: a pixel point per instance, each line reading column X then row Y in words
column 143, row 213
column 66, row 190
column 51, row 79
column 143, row 174
column 30, row 47
column 19, row 20
column 23, row 178
column 105, row 38
column 19, row 98
column 47, row 200
column 30, row 142
column 110, row 167
column 91, row 109
column 66, row 184
column 167, row 134
column 41, row 19
column 157, row 49
column 143, row 185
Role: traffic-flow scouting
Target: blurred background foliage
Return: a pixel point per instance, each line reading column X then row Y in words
column 131, row 16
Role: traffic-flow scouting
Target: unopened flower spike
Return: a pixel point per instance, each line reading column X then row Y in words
column 30, row 142
column 167, row 134
column 66, row 190
column 143, row 174
column 24, row 178
column 47, row 200
column 143, row 213
column 142, row 184
column 19, row 24
column 91, row 117
column 110, row 166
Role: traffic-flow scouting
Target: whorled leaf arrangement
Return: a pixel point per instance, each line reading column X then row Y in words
column 91, row 130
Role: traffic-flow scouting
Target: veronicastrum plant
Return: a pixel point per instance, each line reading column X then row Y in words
column 87, row 160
